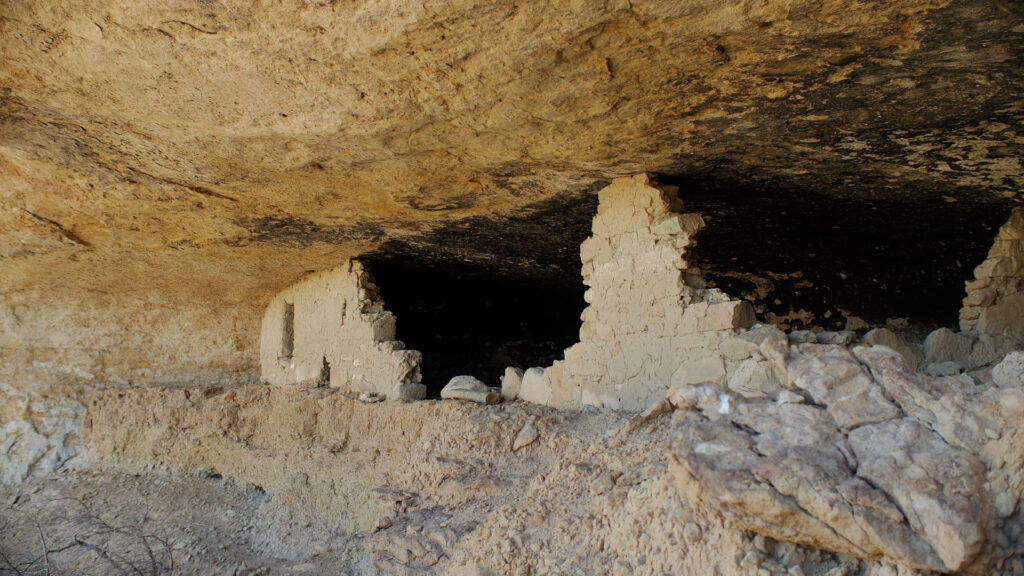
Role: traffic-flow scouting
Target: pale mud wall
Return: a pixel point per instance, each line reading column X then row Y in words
column 994, row 304
column 651, row 320
column 58, row 349
column 332, row 326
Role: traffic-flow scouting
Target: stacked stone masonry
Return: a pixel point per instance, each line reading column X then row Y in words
column 995, row 298
column 332, row 328
column 651, row 322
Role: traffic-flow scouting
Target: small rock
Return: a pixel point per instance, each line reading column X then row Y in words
column 840, row 338
column 886, row 337
column 940, row 369
column 692, row 532
column 527, row 435
column 469, row 388
column 511, row 383
column 802, row 337
column 369, row 398
column 754, row 379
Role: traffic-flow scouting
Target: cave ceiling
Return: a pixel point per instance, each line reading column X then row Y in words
column 225, row 147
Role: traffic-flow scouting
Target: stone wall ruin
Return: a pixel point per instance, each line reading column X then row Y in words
column 651, row 321
column 331, row 328
column 994, row 304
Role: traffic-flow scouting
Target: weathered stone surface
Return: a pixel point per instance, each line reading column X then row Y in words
column 407, row 392
column 511, row 383
column 469, row 388
column 38, row 447
column 886, row 337
column 536, row 387
column 944, row 345
column 840, row 338
column 754, row 379
column 527, row 435
column 784, row 469
column 835, row 379
column 1010, row 371
column 936, row 486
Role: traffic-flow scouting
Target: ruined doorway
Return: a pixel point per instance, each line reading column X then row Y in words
column 481, row 294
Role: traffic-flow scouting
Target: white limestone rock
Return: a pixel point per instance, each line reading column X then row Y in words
column 1010, row 371
column 469, row 388
column 536, row 388
column 754, row 379
column 511, row 383
column 886, row 337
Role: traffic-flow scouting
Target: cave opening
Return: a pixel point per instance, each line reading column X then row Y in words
column 810, row 255
column 481, row 294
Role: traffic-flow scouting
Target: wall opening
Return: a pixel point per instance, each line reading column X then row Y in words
column 288, row 332
column 815, row 257
column 514, row 300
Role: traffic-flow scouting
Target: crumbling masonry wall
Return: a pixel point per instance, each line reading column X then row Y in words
column 332, row 327
column 994, row 304
column 651, row 322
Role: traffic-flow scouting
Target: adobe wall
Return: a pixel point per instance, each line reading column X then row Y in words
column 651, row 322
column 334, row 316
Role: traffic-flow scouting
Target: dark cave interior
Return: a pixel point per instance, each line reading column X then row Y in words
column 481, row 294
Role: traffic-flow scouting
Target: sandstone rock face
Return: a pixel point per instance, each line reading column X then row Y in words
column 167, row 167
column 331, row 328
column 886, row 462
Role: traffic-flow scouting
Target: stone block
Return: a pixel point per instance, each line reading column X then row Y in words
column 536, row 388
column 511, row 383
column 469, row 388
column 709, row 369
column 943, row 345
column 727, row 316
column 886, row 337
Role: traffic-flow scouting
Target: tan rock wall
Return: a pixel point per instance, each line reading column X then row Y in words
column 651, row 321
column 332, row 326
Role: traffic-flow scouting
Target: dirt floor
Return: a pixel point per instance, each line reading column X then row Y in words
column 112, row 519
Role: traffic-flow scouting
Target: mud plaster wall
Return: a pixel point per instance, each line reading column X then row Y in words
column 332, row 326
column 650, row 319
column 994, row 304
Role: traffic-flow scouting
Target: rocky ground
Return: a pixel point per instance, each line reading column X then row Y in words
column 890, row 473
column 192, row 523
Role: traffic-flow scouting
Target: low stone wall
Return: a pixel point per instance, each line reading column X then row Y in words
column 651, row 322
column 332, row 327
